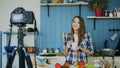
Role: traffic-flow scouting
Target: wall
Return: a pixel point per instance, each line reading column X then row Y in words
column 6, row 7
column 59, row 20
column 0, row 49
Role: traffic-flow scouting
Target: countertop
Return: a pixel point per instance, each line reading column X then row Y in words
column 61, row 59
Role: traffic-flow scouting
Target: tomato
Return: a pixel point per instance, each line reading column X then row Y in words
column 66, row 64
column 57, row 65
column 81, row 63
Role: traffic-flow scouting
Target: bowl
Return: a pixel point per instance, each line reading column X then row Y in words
column 9, row 49
column 30, row 49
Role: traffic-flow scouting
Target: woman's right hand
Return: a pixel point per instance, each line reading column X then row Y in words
column 67, row 47
column 69, row 44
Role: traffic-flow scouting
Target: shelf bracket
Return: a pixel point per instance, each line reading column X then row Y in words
column 80, row 9
column 94, row 23
column 48, row 10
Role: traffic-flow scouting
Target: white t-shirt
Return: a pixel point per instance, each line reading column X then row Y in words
column 75, row 43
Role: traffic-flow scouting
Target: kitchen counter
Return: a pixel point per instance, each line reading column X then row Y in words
column 61, row 59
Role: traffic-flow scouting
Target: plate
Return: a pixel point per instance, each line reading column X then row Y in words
column 48, row 54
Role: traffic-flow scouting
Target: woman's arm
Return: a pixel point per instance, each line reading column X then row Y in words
column 90, row 44
column 67, row 47
column 66, row 50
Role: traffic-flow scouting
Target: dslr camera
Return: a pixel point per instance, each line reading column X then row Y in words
column 21, row 16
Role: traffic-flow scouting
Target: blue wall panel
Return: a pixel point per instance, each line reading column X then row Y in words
column 59, row 20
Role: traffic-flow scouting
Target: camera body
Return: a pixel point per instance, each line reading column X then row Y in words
column 20, row 16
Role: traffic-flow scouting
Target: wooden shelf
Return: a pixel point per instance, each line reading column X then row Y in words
column 102, row 17
column 17, row 33
column 64, row 4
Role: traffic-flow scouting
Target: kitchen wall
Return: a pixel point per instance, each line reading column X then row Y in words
column 58, row 20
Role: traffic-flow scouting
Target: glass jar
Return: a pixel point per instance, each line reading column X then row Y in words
column 111, row 13
column 57, row 50
column 106, row 13
column 45, row 51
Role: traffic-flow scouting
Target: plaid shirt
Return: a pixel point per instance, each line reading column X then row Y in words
column 86, row 44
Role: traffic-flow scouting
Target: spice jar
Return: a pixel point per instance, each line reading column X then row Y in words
column 106, row 13
column 111, row 13
column 45, row 51
column 57, row 50
column 115, row 14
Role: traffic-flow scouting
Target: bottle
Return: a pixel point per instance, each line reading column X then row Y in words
column 106, row 13
column 111, row 13
column 115, row 14
column 105, row 44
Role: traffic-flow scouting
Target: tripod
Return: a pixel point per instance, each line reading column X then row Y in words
column 21, row 51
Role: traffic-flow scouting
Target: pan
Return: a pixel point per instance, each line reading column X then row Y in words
column 108, row 52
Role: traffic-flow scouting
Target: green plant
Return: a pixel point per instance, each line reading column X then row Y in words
column 97, row 3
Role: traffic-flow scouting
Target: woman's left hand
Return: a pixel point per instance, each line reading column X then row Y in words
column 82, row 49
column 78, row 48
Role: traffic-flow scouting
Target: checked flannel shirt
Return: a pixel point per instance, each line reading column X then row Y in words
column 86, row 43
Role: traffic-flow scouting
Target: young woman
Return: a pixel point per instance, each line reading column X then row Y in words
column 80, row 46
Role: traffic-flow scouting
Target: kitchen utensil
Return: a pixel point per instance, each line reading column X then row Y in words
column 107, row 52
column 114, row 37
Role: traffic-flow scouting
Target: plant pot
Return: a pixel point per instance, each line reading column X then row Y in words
column 98, row 11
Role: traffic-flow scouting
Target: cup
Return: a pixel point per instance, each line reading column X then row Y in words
column 118, row 14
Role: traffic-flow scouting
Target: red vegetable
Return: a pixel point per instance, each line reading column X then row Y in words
column 57, row 65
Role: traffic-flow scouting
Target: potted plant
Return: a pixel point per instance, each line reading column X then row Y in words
column 98, row 6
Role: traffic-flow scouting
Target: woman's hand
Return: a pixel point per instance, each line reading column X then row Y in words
column 67, row 47
column 82, row 49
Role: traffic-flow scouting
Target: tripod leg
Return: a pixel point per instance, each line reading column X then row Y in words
column 21, row 58
column 28, row 59
column 11, row 59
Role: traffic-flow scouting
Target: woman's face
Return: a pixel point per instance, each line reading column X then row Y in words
column 76, row 24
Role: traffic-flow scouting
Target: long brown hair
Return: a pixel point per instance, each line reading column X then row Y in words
column 81, row 30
